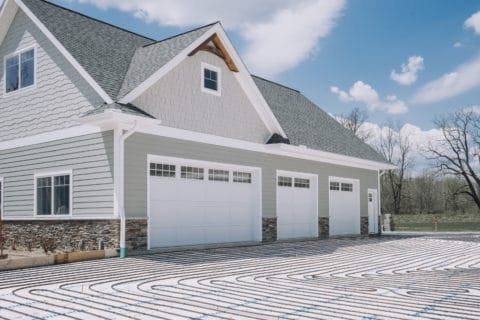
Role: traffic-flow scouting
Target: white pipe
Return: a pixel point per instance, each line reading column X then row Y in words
column 121, row 201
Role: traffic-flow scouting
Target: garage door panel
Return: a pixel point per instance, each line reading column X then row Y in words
column 188, row 211
column 345, row 208
column 297, row 213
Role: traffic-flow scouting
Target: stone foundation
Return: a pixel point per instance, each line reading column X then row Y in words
column 269, row 229
column 68, row 234
column 136, row 238
column 364, row 226
column 323, row 227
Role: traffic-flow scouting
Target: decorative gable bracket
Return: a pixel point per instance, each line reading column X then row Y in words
column 214, row 45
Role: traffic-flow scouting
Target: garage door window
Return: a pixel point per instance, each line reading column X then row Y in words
column 162, row 170
column 334, row 186
column 192, row 173
column 242, row 177
column 348, row 187
column 302, row 183
column 218, row 175
column 284, row 181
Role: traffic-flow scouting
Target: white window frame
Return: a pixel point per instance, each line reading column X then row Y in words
column 217, row 92
column 52, row 174
column 2, row 196
column 19, row 52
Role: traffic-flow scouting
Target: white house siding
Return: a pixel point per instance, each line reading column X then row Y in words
column 90, row 157
column 61, row 95
column 139, row 145
column 177, row 100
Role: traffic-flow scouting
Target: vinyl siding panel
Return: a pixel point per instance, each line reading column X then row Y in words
column 60, row 96
column 139, row 145
column 178, row 101
column 90, row 157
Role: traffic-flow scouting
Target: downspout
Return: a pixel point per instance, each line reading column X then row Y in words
column 124, row 135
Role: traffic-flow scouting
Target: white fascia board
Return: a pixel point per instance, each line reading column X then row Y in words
column 7, row 15
column 243, row 77
column 50, row 136
column 106, row 98
column 248, row 85
column 275, row 149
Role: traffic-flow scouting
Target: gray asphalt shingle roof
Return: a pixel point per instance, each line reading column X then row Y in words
column 306, row 124
column 119, row 60
column 152, row 57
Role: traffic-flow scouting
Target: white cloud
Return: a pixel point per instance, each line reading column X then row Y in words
column 364, row 93
column 409, row 71
column 291, row 36
column 458, row 45
column 278, row 34
column 473, row 22
column 462, row 79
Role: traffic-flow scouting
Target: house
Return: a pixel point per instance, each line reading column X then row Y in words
column 114, row 139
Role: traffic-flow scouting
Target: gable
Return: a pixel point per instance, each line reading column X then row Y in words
column 178, row 101
column 60, row 95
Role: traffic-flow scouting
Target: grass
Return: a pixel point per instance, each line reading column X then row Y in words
column 446, row 222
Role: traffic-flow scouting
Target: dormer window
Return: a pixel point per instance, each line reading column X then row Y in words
column 211, row 79
column 20, row 70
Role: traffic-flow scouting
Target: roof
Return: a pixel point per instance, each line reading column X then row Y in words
column 124, row 108
column 120, row 60
column 306, row 124
column 150, row 58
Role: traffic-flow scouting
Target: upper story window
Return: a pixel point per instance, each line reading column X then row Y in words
column 211, row 77
column 20, row 70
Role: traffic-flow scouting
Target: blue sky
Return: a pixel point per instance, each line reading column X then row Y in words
column 339, row 53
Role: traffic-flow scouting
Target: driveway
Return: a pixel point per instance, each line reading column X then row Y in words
column 378, row 278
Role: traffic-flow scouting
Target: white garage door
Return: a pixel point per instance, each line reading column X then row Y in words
column 344, row 206
column 297, row 205
column 193, row 202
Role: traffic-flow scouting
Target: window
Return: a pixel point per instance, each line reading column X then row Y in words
column 211, row 79
column 162, row 170
column 284, row 181
column 370, row 197
column 334, row 186
column 191, row 173
column 302, row 183
column 347, row 187
column 20, row 70
column 242, row 177
column 53, row 195
column 218, row 175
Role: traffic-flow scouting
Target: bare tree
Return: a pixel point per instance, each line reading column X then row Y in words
column 354, row 121
column 396, row 147
column 458, row 153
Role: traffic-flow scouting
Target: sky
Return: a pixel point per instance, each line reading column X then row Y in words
column 403, row 61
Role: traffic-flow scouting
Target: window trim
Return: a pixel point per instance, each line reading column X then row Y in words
column 52, row 174
column 19, row 52
column 218, row 70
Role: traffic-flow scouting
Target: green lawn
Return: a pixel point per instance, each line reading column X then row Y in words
column 446, row 222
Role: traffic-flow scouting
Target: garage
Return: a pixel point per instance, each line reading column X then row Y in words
column 297, row 205
column 344, row 206
column 195, row 202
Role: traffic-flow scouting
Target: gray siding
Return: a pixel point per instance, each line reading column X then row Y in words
column 91, row 159
column 61, row 95
column 139, row 145
column 178, row 101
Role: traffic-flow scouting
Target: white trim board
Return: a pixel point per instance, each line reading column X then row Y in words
column 51, row 136
column 9, row 10
column 243, row 76
column 65, row 53
column 59, row 217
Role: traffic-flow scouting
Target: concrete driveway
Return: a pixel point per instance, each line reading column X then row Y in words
column 378, row 278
